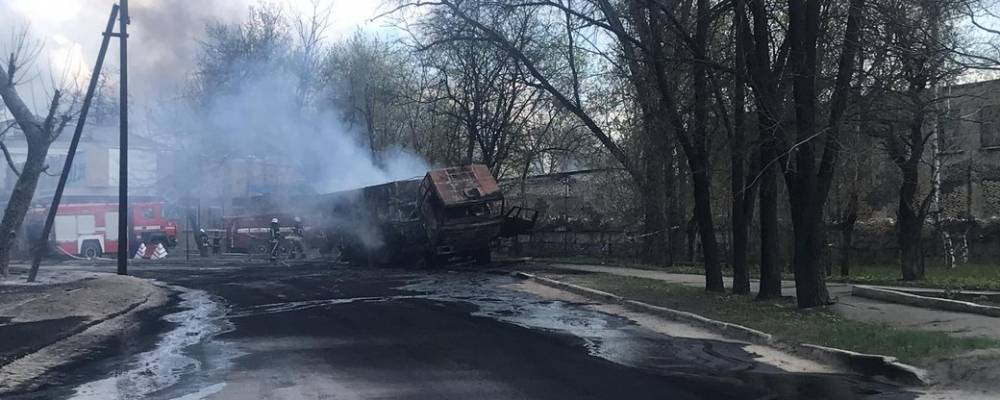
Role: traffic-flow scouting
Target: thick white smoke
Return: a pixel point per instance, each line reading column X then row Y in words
column 264, row 119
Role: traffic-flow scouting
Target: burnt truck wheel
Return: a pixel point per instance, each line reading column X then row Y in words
column 91, row 249
column 482, row 256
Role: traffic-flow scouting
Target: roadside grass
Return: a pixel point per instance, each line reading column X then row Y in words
column 785, row 321
column 677, row 268
column 962, row 277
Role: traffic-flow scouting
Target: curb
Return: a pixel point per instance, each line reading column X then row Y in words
column 871, row 364
column 569, row 287
column 895, row 296
column 864, row 364
column 733, row 331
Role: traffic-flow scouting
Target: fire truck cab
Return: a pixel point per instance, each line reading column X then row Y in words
column 90, row 229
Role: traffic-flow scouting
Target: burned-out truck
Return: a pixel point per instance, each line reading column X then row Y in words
column 452, row 213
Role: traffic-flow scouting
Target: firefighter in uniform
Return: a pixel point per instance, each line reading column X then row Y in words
column 297, row 238
column 275, row 239
column 203, row 243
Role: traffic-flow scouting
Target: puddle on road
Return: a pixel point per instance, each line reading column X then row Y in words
column 290, row 306
column 622, row 341
column 611, row 337
column 147, row 374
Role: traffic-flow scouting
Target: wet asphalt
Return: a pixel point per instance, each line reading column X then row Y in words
column 327, row 331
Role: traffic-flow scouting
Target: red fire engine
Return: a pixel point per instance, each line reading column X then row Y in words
column 90, row 229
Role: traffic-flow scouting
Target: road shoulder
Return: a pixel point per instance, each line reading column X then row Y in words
column 950, row 367
column 67, row 321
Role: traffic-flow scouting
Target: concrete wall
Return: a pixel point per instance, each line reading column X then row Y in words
column 970, row 151
column 579, row 200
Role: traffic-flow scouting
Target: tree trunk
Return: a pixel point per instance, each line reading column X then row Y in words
column 770, row 267
column 706, row 229
column 737, row 160
column 846, row 238
column 692, row 236
column 810, row 280
column 909, row 250
column 672, row 208
column 908, row 224
column 803, row 178
column 654, row 245
column 20, row 201
column 847, row 233
column 825, row 256
column 38, row 135
column 741, row 273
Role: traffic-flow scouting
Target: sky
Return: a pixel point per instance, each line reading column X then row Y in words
column 163, row 38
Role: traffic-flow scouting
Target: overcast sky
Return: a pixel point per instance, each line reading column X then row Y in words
column 162, row 41
column 163, row 37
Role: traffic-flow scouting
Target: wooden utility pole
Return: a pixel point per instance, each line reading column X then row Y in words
column 123, row 214
column 43, row 241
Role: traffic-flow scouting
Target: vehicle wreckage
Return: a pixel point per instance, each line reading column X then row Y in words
column 451, row 213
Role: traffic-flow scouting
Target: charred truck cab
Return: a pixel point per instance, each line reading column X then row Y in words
column 463, row 212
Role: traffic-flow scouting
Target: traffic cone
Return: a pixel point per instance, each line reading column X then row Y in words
column 161, row 252
column 141, row 253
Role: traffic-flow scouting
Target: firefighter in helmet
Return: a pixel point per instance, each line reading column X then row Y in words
column 203, row 242
column 275, row 238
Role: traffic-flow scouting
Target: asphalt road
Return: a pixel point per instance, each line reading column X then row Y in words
column 335, row 332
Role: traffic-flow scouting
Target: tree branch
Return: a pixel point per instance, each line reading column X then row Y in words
column 10, row 160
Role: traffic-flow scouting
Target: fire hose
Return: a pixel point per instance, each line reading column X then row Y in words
column 66, row 253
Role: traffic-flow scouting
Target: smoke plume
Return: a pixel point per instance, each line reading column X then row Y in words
column 264, row 119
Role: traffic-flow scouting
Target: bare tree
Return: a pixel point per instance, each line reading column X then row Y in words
column 309, row 32
column 39, row 132
column 360, row 78
column 766, row 62
column 486, row 90
column 811, row 163
column 918, row 43
column 232, row 54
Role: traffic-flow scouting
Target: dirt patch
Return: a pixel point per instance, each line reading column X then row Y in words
column 47, row 275
column 91, row 298
column 15, row 344
column 87, row 313
column 973, row 372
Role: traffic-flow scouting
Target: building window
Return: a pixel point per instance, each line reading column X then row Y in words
column 989, row 126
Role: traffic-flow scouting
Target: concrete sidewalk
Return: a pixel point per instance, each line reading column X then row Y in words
column 852, row 307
